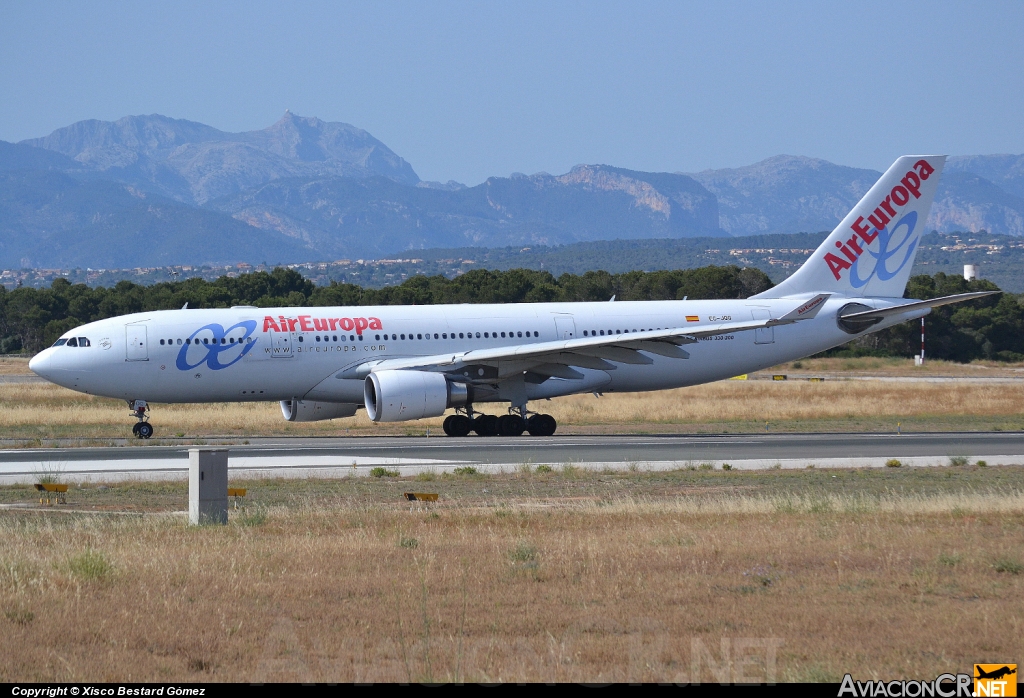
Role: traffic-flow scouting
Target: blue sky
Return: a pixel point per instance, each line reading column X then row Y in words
column 467, row 90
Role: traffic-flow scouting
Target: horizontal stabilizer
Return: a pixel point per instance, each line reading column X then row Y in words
column 916, row 305
column 805, row 311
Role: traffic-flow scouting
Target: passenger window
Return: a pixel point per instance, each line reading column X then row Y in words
column 520, row 334
column 419, row 336
column 460, row 336
column 478, row 335
column 161, row 342
column 377, row 336
column 335, row 338
column 435, row 335
column 300, row 338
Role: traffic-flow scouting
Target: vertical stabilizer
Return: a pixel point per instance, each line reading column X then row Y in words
column 872, row 251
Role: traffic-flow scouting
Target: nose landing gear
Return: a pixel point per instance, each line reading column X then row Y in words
column 142, row 429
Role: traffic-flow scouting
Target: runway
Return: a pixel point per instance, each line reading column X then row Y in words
column 340, row 457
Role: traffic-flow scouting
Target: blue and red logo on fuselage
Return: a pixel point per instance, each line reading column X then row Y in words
column 217, row 347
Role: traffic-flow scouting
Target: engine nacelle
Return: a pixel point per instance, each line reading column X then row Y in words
column 308, row 411
column 398, row 396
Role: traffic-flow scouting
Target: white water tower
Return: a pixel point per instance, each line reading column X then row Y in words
column 970, row 272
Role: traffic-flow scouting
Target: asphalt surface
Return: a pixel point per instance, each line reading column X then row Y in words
column 335, row 456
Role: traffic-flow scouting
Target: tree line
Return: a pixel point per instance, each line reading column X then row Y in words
column 31, row 319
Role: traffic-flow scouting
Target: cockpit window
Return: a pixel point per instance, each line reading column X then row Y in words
column 83, row 342
column 73, row 342
column 60, row 342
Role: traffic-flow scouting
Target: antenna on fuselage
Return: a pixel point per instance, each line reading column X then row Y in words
column 185, row 307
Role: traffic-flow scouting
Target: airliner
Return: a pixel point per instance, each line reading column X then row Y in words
column 403, row 363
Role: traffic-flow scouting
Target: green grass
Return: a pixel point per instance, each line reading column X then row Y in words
column 89, row 566
column 1008, row 565
column 523, row 552
column 252, row 516
column 383, row 472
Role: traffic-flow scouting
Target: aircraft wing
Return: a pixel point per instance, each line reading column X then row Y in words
column 556, row 358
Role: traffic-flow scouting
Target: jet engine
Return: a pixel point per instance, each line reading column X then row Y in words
column 308, row 411
column 397, row 396
column 855, row 326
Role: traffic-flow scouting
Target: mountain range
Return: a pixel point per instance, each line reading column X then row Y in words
column 151, row 190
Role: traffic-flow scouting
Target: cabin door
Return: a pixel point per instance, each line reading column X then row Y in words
column 565, row 327
column 764, row 335
column 137, row 343
column 282, row 344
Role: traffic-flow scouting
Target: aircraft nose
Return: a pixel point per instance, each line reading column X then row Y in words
column 40, row 363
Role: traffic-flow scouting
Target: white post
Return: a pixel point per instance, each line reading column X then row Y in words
column 207, row 486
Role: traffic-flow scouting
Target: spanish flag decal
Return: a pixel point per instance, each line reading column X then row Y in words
column 693, row 318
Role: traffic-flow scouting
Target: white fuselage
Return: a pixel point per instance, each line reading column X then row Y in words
column 251, row 354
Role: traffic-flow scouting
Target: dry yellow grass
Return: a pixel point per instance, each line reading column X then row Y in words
column 871, row 365
column 14, row 366
column 621, row 589
column 792, row 400
column 33, row 410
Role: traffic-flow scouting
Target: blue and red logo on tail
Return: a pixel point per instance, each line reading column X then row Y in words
column 898, row 240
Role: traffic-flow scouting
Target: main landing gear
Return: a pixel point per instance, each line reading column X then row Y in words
column 142, row 429
column 505, row 425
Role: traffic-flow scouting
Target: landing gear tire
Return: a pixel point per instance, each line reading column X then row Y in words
column 511, row 425
column 486, row 425
column 143, row 430
column 541, row 425
column 457, row 425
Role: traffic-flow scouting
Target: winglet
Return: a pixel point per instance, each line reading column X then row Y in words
column 806, row 310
